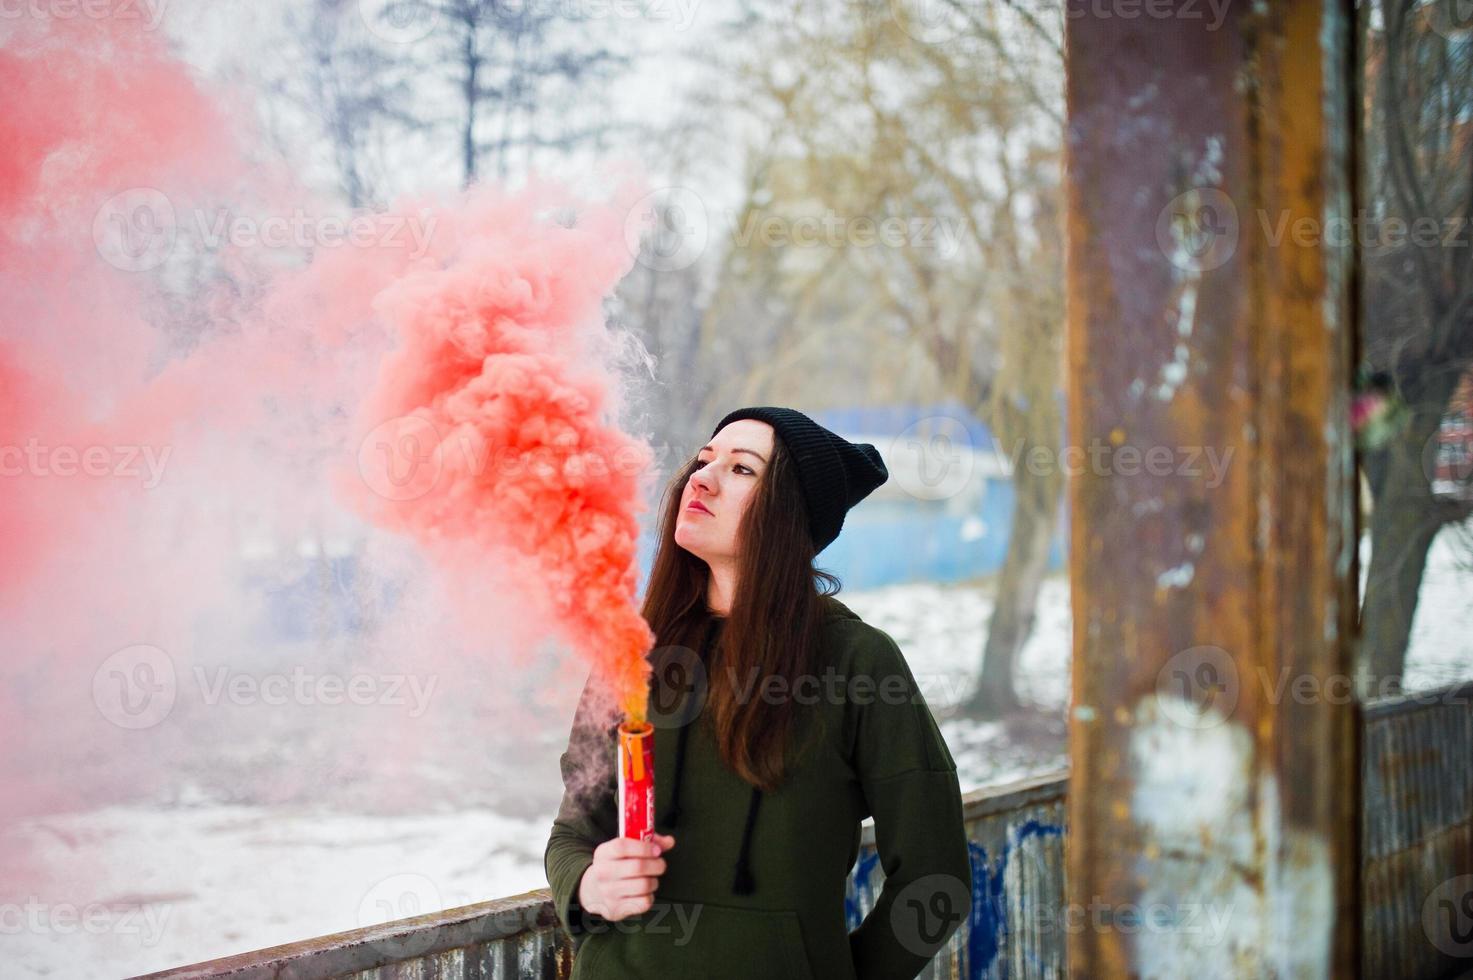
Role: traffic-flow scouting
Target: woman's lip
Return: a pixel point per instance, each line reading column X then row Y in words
column 698, row 508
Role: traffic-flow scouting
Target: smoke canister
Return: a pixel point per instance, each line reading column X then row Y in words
column 637, row 780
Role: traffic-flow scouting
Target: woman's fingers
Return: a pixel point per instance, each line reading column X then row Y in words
column 627, row 873
column 620, row 847
column 632, row 887
column 629, row 867
column 624, row 847
column 631, row 906
column 630, row 857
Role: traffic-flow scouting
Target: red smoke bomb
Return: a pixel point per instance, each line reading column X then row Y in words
column 637, row 780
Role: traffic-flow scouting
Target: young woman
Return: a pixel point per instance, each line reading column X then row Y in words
column 782, row 721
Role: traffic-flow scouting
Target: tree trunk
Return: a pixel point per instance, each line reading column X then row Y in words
column 1404, row 520
column 1035, row 510
column 472, row 97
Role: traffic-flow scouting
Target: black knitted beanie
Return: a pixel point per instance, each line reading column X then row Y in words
column 835, row 473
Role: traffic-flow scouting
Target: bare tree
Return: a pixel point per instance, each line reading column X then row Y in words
column 965, row 136
column 1418, row 299
column 525, row 76
column 660, row 303
column 337, row 75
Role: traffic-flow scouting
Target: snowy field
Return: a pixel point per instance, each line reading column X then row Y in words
column 141, row 888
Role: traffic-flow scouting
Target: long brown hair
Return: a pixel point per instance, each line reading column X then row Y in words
column 774, row 626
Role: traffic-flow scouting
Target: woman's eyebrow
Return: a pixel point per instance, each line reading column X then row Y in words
column 750, row 452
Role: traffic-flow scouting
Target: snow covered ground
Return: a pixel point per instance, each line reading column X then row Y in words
column 140, row 888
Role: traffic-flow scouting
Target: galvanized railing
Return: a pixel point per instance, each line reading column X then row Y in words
column 1417, row 810
column 1016, row 836
column 1417, row 833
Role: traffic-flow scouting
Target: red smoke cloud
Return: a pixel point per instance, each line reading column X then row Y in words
column 489, row 435
column 459, row 390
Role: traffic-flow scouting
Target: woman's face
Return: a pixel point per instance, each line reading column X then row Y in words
column 717, row 494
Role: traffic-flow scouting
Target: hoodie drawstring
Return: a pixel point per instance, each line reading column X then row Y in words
column 743, row 883
column 672, row 812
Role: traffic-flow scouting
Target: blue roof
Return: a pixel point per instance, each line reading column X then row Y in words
column 891, row 420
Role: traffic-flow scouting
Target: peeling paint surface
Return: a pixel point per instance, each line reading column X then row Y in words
column 1210, row 834
column 1178, row 577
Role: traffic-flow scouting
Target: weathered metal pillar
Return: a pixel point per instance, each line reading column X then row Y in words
column 1211, row 268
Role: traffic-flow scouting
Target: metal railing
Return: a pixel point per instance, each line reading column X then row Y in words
column 1417, row 830
column 1417, row 836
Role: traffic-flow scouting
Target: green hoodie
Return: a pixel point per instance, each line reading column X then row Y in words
column 754, row 887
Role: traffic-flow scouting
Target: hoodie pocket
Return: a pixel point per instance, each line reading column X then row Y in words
column 700, row 939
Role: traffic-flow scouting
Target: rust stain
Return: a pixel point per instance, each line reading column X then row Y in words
column 1241, row 346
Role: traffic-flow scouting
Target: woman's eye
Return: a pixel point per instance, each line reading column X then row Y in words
column 740, row 466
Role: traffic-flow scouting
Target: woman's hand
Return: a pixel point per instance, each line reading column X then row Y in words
column 622, row 878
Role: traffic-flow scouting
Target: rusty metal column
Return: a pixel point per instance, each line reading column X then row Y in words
column 1214, row 779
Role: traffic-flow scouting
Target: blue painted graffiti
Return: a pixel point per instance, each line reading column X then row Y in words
column 989, row 921
column 860, row 894
column 988, row 925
